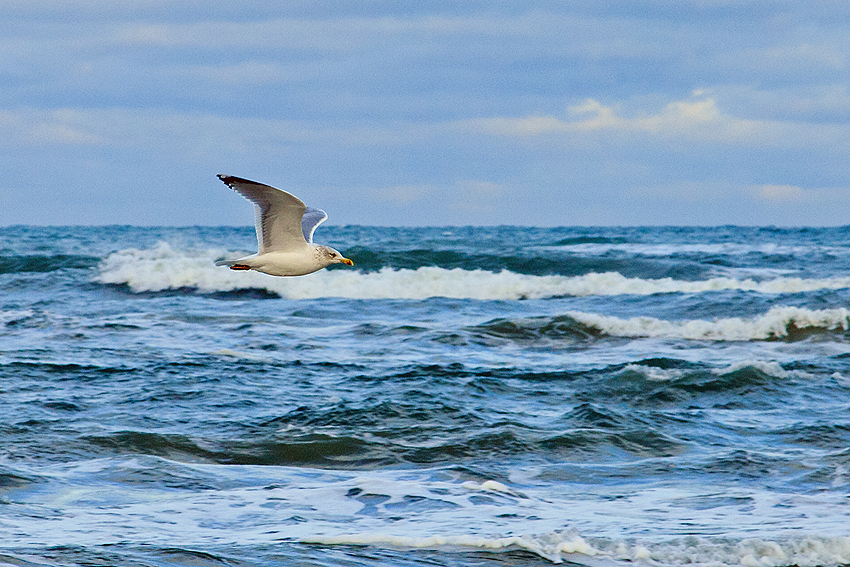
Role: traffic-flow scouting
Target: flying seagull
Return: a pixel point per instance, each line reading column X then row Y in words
column 285, row 229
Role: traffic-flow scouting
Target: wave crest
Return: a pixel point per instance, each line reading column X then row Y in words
column 163, row 268
column 780, row 323
column 568, row 545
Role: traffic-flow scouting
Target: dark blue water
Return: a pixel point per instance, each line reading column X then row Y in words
column 462, row 396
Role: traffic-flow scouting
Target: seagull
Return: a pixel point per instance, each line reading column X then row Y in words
column 285, row 229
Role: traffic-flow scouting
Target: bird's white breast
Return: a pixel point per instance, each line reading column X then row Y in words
column 305, row 261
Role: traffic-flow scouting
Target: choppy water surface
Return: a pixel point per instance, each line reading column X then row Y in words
column 463, row 396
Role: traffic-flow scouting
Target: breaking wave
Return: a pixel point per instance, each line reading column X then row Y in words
column 555, row 547
column 568, row 546
column 780, row 323
column 163, row 268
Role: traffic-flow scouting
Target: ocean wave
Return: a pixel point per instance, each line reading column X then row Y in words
column 780, row 323
column 14, row 317
column 754, row 552
column 598, row 247
column 36, row 263
column 554, row 548
column 534, row 329
column 569, row 546
column 314, row 449
column 162, row 269
column 152, row 501
column 741, row 371
column 791, row 323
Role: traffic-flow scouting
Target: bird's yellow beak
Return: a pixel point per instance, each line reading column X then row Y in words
column 347, row 262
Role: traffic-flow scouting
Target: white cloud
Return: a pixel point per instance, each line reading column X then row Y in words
column 696, row 119
column 411, row 98
column 154, row 129
column 676, row 118
column 779, row 193
column 793, row 194
column 320, row 35
column 29, row 127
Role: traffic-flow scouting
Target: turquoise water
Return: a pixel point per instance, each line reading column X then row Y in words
column 462, row 396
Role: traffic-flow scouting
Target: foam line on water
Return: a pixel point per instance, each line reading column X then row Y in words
column 778, row 323
column 263, row 505
column 164, row 268
column 557, row 547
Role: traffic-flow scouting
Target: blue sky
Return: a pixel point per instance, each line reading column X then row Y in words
column 596, row 112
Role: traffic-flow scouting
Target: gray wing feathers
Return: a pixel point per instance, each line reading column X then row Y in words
column 312, row 218
column 258, row 226
column 278, row 214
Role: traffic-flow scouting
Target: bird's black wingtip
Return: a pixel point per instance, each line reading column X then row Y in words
column 232, row 179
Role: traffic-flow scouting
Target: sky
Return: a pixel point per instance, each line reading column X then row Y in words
column 446, row 112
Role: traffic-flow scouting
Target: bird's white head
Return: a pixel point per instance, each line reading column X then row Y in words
column 331, row 256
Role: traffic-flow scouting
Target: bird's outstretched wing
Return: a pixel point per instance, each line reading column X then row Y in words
column 278, row 215
column 312, row 219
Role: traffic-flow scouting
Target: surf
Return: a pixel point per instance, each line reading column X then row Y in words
column 164, row 268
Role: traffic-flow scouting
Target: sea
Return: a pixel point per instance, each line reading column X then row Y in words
column 462, row 396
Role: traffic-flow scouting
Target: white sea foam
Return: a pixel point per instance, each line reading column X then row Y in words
column 164, row 268
column 805, row 552
column 692, row 551
column 550, row 546
column 15, row 315
column 655, row 374
column 775, row 324
column 771, row 368
column 418, row 509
